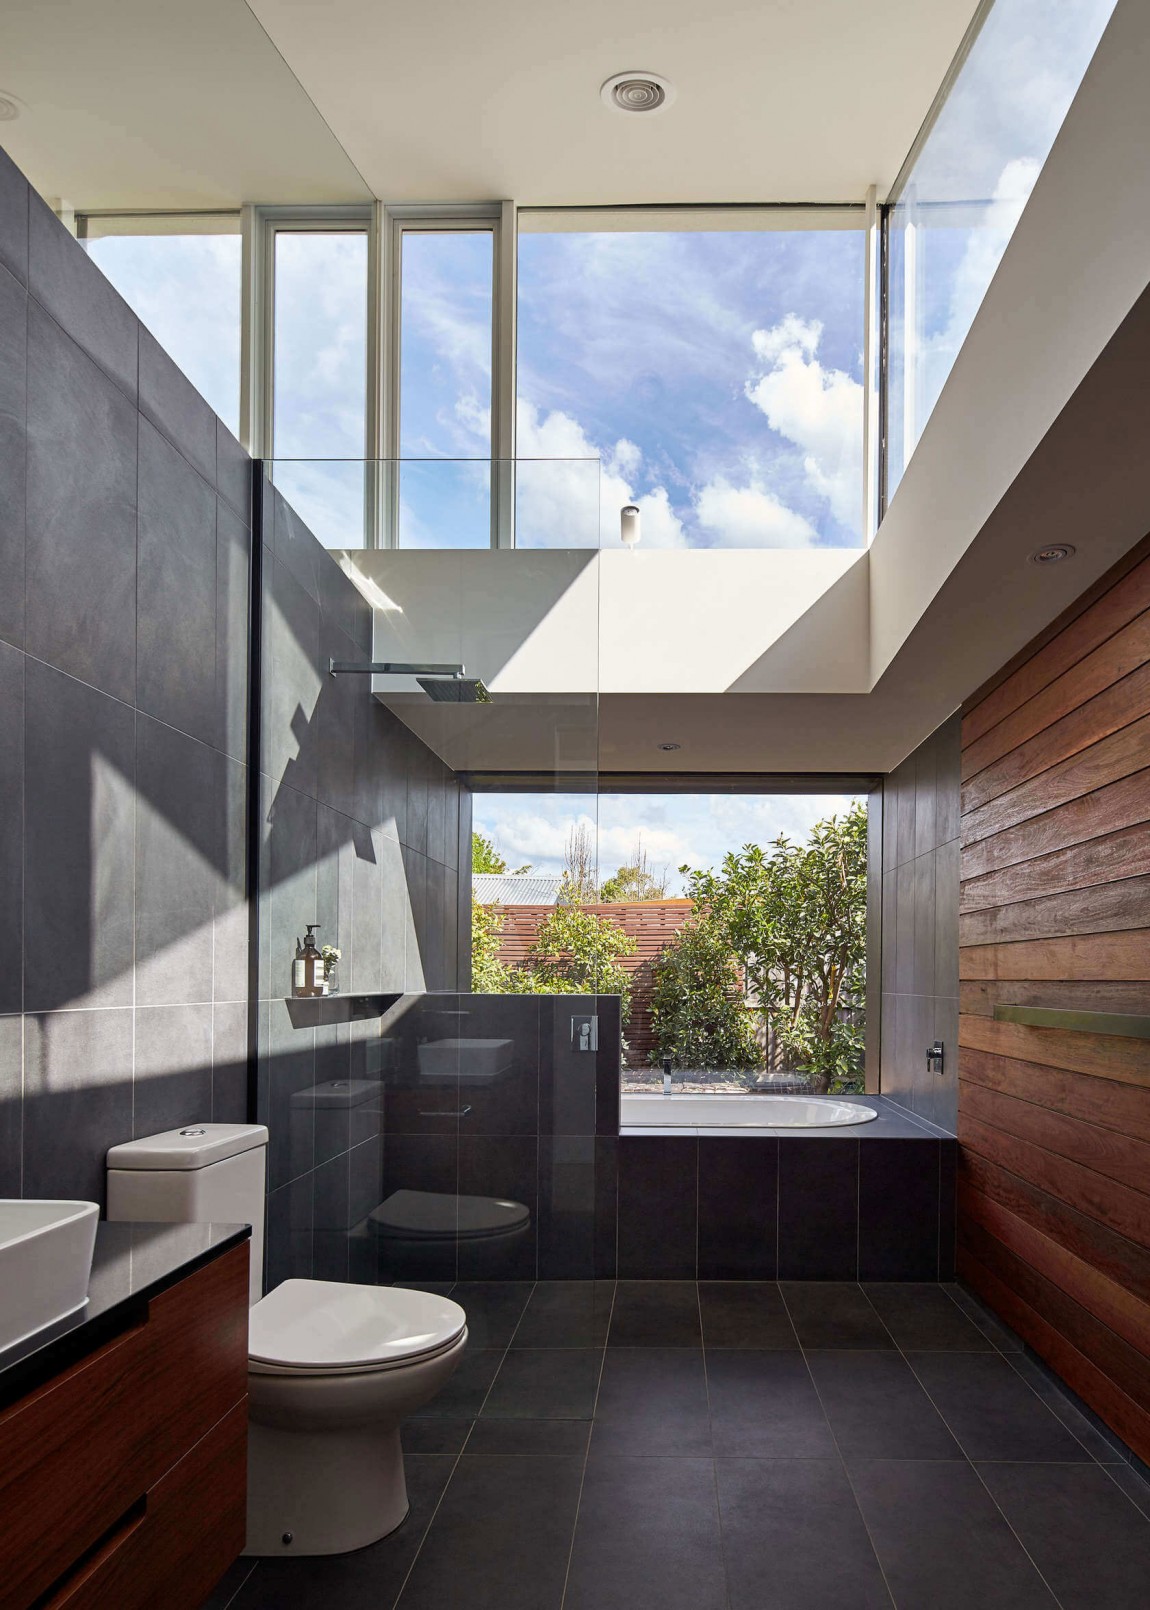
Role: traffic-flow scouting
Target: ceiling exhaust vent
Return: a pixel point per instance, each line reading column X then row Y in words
column 637, row 92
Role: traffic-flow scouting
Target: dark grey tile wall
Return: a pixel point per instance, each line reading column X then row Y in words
column 124, row 554
column 368, row 833
column 919, row 927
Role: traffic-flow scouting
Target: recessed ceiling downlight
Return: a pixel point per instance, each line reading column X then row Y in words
column 669, row 748
column 637, row 92
column 1053, row 554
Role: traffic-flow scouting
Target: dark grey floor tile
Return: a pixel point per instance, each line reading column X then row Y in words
column 991, row 1410
column 553, row 1437
column 655, row 1313
column 493, row 1308
column 793, row 1537
column 652, row 1400
column 923, row 1316
column 877, row 1409
column 225, row 1591
column 764, row 1406
column 435, row 1436
column 1133, row 1485
column 1098, row 1440
column 567, row 1313
column 744, row 1313
column 462, row 1397
column 833, row 1313
column 648, row 1534
column 368, row 1579
column 941, row 1541
column 1085, row 1536
column 501, row 1537
column 980, row 1316
column 546, row 1384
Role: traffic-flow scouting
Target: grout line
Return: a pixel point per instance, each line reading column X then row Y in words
column 587, row 1449
column 714, row 1466
column 235, row 1596
column 833, row 1435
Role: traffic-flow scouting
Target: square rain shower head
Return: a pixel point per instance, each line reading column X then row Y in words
column 454, row 689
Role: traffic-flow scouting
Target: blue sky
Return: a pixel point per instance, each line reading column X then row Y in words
column 676, row 829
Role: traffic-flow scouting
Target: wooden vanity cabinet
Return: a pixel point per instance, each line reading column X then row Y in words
column 123, row 1479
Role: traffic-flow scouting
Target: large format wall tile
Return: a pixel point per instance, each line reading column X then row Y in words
column 14, row 196
column 175, row 407
column 173, row 1067
column 11, row 1104
column 81, row 524
column 66, row 282
column 232, row 645
column 12, row 824
column 13, row 451
column 79, row 826
column 176, row 636
column 77, row 1099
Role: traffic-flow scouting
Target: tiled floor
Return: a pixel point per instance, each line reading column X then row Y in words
column 739, row 1446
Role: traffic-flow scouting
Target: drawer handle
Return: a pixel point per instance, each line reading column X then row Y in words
column 462, row 1113
column 79, row 1576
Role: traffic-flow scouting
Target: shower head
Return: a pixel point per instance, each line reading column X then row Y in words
column 446, row 684
column 454, row 689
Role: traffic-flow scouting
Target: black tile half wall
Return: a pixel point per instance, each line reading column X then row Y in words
column 124, row 555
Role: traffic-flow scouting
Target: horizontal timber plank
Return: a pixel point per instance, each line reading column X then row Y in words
column 1091, row 773
column 1120, row 1209
column 1115, row 707
column 1107, row 810
column 1122, row 1414
column 1113, row 957
column 1107, row 1056
column 1126, row 600
column 1123, row 1260
column 979, row 996
column 1126, row 1366
column 1125, row 854
column 1120, row 1157
column 1106, row 1299
column 1123, row 1107
column 1102, row 908
column 1109, row 664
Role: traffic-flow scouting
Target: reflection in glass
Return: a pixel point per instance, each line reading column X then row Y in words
column 965, row 192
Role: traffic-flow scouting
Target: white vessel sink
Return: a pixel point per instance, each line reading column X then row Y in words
column 45, row 1262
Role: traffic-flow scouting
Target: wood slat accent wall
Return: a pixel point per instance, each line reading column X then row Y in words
column 1054, row 1124
column 651, row 923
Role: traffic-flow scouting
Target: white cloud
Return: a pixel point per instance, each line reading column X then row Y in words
column 751, row 517
column 816, row 408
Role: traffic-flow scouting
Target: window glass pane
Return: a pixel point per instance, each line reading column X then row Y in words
column 320, row 391
column 445, row 388
column 186, row 288
column 716, row 373
column 966, row 191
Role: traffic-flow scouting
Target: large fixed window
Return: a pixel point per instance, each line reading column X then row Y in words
column 181, row 275
column 711, row 359
column 962, row 191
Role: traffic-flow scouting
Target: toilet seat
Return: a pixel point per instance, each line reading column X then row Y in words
column 320, row 1327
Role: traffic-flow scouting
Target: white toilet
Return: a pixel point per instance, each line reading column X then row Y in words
column 332, row 1368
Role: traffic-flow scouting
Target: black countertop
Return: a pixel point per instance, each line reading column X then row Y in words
column 132, row 1263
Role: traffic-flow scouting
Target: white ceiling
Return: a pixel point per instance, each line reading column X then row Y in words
column 170, row 104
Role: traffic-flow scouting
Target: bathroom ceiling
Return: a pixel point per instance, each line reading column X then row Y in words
column 159, row 103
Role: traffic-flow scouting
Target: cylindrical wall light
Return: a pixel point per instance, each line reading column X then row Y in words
column 629, row 529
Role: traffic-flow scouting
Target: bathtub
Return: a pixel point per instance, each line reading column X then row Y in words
column 740, row 1112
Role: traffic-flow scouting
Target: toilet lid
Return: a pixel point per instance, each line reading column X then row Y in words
column 441, row 1216
column 325, row 1325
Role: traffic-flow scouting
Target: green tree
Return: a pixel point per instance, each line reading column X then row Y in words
column 488, row 973
column 699, row 1012
column 484, row 856
column 635, row 881
column 794, row 917
column 576, row 953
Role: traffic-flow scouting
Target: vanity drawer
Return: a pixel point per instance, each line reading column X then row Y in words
column 173, row 1548
column 78, row 1453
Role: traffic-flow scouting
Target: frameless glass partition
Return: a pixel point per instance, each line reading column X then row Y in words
column 711, row 358
column 181, row 274
column 957, row 203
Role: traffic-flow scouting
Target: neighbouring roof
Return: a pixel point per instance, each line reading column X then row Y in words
column 511, row 889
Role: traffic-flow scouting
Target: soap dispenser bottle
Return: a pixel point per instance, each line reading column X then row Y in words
column 314, row 979
column 299, row 970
